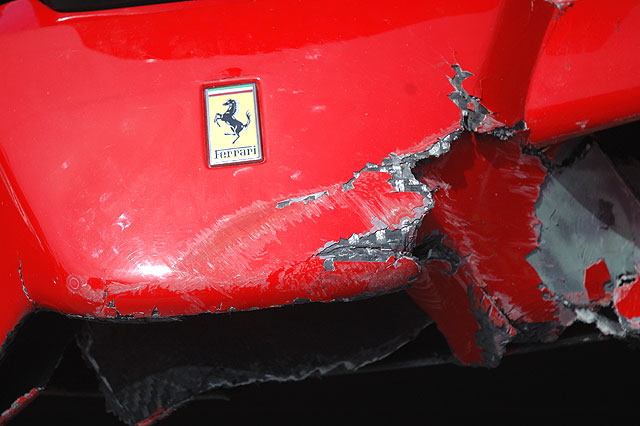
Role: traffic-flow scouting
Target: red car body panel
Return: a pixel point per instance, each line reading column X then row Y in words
column 109, row 210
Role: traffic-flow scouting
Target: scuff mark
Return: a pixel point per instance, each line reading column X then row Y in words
column 123, row 222
column 24, row 286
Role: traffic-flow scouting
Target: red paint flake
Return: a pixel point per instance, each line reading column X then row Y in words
column 595, row 277
column 18, row 405
column 158, row 415
column 626, row 299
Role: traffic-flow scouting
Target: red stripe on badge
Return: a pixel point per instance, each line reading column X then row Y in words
column 229, row 93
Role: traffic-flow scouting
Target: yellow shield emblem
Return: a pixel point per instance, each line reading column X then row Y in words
column 233, row 129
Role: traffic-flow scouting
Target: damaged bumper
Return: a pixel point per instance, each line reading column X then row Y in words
column 397, row 154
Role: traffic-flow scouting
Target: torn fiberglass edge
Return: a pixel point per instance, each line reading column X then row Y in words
column 475, row 116
column 399, row 240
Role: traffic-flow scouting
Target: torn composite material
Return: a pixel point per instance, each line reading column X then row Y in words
column 176, row 361
column 543, row 242
column 485, row 197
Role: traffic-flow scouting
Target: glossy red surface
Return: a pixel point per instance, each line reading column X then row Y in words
column 109, row 208
column 584, row 78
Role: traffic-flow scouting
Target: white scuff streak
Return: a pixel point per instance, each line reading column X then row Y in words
column 605, row 325
column 123, row 222
column 242, row 170
column 314, row 55
column 231, row 246
column 79, row 285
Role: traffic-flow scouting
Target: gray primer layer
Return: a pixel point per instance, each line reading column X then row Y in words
column 588, row 213
column 478, row 118
column 306, row 199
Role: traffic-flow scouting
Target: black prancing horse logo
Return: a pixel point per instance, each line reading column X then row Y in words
column 227, row 117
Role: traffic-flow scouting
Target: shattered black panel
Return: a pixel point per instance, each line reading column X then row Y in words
column 148, row 369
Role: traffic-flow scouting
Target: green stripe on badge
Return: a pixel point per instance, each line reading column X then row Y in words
column 230, row 88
